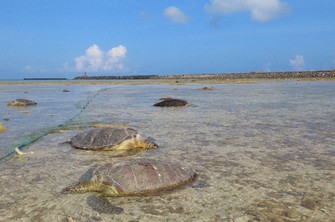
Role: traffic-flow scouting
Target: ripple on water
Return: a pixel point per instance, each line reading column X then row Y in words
column 262, row 152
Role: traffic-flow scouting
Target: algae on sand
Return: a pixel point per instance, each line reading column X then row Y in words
column 3, row 128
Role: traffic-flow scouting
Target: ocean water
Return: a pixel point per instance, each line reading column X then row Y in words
column 54, row 108
column 263, row 151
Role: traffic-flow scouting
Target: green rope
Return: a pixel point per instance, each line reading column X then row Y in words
column 25, row 145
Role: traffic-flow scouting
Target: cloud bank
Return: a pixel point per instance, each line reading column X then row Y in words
column 95, row 59
column 261, row 10
column 298, row 63
column 175, row 15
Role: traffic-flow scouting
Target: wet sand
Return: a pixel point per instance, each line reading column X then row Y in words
column 263, row 152
column 237, row 185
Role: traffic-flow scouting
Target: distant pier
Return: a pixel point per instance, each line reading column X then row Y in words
column 44, row 79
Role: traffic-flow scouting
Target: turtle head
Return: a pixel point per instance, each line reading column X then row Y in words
column 151, row 142
column 75, row 188
column 82, row 187
column 141, row 142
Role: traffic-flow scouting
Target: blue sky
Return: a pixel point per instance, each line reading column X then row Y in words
column 65, row 38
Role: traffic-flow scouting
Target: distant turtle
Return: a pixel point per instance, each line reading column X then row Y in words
column 208, row 88
column 22, row 102
column 111, row 138
column 133, row 177
column 171, row 103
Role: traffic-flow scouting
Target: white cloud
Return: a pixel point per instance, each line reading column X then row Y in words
column 95, row 59
column 298, row 63
column 261, row 10
column 113, row 60
column 175, row 15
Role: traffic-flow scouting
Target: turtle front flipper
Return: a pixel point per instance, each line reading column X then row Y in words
column 112, row 191
column 103, row 205
column 110, row 187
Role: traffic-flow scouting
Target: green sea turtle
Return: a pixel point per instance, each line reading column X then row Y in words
column 171, row 103
column 22, row 102
column 133, row 177
column 111, row 138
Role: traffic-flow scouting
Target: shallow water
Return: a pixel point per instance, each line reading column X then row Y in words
column 54, row 107
column 263, row 151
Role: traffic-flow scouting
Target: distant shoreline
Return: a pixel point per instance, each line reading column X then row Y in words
column 44, row 79
column 223, row 76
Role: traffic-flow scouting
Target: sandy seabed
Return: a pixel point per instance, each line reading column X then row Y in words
column 263, row 152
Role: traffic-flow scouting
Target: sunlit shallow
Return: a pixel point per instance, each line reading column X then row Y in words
column 262, row 151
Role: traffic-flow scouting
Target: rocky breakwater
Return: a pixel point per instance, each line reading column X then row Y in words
column 255, row 75
column 114, row 77
column 223, row 76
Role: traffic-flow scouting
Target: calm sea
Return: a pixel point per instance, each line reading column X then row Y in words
column 262, row 150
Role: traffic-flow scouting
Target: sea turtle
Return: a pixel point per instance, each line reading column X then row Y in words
column 208, row 88
column 133, row 177
column 111, row 138
column 171, row 103
column 22, row 102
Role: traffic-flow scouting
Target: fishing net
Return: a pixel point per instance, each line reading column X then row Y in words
column 53, row 113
